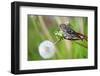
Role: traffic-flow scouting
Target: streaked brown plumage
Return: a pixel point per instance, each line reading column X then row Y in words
column 70, row 34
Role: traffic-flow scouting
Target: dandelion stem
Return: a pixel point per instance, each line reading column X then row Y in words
column 57, row 41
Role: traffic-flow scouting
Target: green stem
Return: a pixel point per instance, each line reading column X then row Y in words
column 81, row 44
column 74, row 41
column 57, row 41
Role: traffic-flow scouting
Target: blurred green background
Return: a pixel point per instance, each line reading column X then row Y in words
column 41, row 28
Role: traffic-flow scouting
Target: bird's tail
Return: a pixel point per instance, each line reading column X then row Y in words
column 81, row 36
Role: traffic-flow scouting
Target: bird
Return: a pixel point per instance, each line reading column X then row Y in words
column 70, row 34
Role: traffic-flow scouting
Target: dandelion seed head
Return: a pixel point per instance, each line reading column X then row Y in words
column 47, row 49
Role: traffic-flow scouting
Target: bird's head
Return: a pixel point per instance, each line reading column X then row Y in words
column 63, row 26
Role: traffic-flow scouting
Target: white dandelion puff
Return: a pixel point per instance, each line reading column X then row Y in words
column 47, row 49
